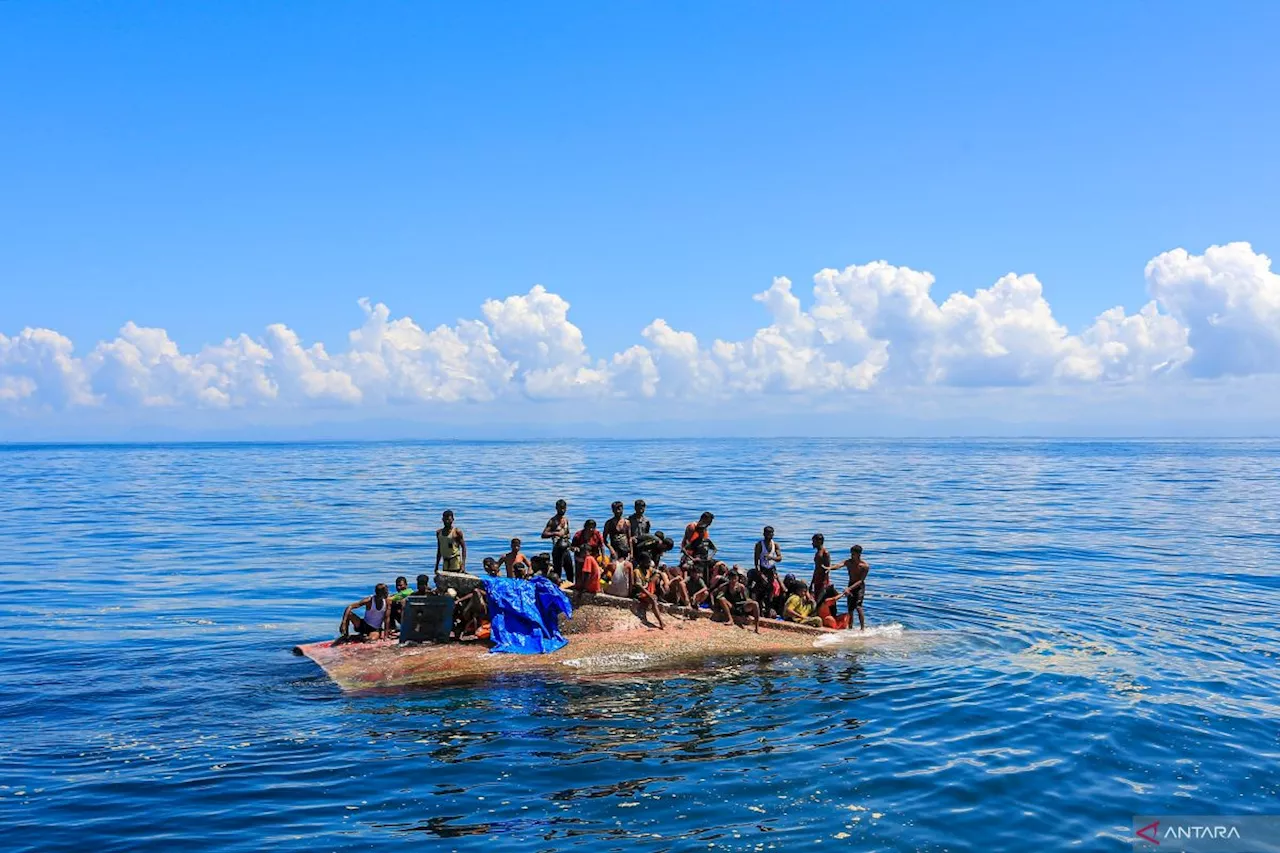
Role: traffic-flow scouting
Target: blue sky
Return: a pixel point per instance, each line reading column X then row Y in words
column 210, row 169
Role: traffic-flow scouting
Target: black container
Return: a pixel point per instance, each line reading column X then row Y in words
column 426, row 619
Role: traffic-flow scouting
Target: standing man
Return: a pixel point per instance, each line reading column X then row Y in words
column 637, row 524
column 768, row 554
column 821, row 566
column 451, row 545
column 857, row 591
column 617, row 534
column 557, row 530
column 697, row 544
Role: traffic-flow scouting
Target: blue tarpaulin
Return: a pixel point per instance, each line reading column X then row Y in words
column 524, row 615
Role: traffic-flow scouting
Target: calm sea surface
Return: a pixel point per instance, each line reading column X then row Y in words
column 1069, row 633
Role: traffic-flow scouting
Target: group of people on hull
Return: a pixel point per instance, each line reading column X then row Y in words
column 627, row 559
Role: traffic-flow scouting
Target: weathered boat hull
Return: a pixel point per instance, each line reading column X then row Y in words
column 606, row 636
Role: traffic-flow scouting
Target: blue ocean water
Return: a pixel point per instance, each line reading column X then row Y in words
column 1071, row 633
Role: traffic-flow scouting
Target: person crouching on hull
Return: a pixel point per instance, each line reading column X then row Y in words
column 732, row 600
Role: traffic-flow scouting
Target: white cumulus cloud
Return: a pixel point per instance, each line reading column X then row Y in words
column 858, row 328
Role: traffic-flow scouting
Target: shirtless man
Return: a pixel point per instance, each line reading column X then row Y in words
column 513, row 560
column 451, row 545
column 617, row 533
column 557, row 530
column 857, row 568
column 821, row 566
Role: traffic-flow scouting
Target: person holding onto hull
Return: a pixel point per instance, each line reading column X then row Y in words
column 857, row 591
column 588, row 547
column 557, row 530
column 732, row 600
column 514, row 562
column 491, row 567
column 821, row 566
column 800, row 605
column 617, row 534
column 826, row 609
column 451, row 545
column 641, row 590
column 376, row 619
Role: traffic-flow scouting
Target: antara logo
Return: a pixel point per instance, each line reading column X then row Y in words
column 1150, row 832
column 1185, row 833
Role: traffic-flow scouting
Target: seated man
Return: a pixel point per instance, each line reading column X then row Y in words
column 620, row 581
column 513, row 560
column 673, row 587
column 376, row 619
column 800, row 605
column 642, row 588
column 766, row 590
column 733, row 602
column 588, row 546
column 397, row 600
column 470, row 612
column 696, row 588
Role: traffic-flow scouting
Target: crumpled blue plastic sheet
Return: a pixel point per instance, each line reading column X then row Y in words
column 524, row 615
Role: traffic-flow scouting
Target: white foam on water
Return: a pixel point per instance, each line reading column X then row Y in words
column 888, row 631
column 606, row 661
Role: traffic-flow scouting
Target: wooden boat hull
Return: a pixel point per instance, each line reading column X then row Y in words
column 606, row 636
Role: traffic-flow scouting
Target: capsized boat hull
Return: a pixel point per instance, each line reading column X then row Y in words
column 606, row 636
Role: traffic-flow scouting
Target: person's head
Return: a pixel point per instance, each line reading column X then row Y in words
column 719, row 568
column 447, row 517
column 855, row 551
column 768, row 533
column 789, row 582
column 424, row 584
column 520, row 572
column 380, row 592
column 616, row 506
column 819, row 540
column 490, row 566
column 562, row 506
column 402, row 583
column 640, row 507
column 704, row 520
column 515, row 544
column 589, row 525
column 737, row 576
column 645, row 562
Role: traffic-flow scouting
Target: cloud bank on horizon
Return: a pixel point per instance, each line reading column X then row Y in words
column 871, row 326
